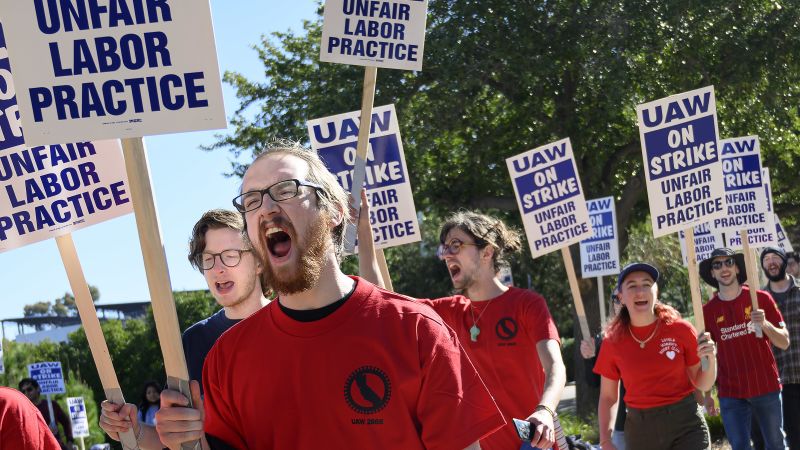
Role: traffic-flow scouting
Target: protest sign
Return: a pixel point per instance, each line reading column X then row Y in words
column 554, row 214
column 706, row 239
column 783, row 241
column 388, row 34
column 78, row 417
column 392, row 213
column 92, row 70
column 600, row 253
column 505, row 276
column 679, row 137
column 49, row 377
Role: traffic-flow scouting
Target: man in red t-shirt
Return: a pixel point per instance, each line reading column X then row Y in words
column 335, row 362
column 748, row 383
column 22, row 425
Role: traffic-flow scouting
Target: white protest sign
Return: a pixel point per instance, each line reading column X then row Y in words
column 550, row 197
column 387, row 34
column 86, row 69
column 78, row 417
column 392, row 213
column 706, row 239
column 600, row 253
column 783, row 240
column 52, row 190
column 49, row 377
column 762, row 234
column 505, row 276
column 679, row 137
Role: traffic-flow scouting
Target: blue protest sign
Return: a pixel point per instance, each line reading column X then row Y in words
column 706, row 239
column 78, row 417
column 550, row 197
column 392, row 212
column 749, row 195
column 679, row 137
column 49, row 377
column 105, row 70
column 600, row 253
column 380, row 33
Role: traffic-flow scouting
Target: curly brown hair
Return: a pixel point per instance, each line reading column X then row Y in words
column 484, row 230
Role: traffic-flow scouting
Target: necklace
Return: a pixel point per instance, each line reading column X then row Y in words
column 474, row 331
column 641, row 343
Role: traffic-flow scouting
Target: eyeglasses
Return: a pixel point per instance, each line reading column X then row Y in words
column 716, row 265
column 278, row 192
column 452, row 248
column 229, row 258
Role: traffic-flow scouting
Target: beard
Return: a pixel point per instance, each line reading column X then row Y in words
column 777, row 277
column 310, row 252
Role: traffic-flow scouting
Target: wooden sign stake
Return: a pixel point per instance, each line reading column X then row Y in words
column 601, row 298
column 91, row 326
column 694, row 287
column 752, row 277
column 576, row 292
column 155, row 265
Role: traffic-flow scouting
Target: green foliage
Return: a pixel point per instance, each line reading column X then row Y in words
column 574, row 425
column 567, row 354
column 61, row 306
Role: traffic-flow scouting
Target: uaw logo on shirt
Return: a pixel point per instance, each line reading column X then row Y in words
column 367, row 391
column 669, row 348
column 506, row 329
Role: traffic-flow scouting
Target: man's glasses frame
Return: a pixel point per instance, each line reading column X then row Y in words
column 452, row 248
column 229, row 258
column 717, row 265
column 278, row 192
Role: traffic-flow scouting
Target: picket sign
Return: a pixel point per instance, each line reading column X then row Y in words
column 576, row 292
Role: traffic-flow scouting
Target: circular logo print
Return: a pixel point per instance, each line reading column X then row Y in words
column 506, row 328
column 367, row 390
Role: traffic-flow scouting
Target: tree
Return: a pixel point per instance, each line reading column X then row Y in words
column 61, row 306
column 37, row 309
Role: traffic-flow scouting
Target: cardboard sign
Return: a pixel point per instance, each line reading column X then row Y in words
column 763, row 234
column 706, row 239
column 386, row 34
column 105, row 70
column 78, row 417
column 49, row 377
column 600, row 253
column 393, row 215
column 550, row 197
column 51, row 190
column 783, row 242
column 679, row 137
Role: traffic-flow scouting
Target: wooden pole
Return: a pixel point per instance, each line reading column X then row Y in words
column 601, row 297
column 83, row 445
column 576, row 292
column 387, row 279
column 752, row 277
column 694, row 287
column 91, row 326
column 155, row 265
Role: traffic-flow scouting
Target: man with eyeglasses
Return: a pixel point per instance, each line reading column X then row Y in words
column 508, row 332
column 748, row 382
column 334, row 362
column 33, row 391
column 219, row 251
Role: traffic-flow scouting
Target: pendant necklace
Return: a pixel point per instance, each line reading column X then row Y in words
column 641, row 343
column 474, row 331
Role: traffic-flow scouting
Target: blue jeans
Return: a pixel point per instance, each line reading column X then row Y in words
column 737, row 415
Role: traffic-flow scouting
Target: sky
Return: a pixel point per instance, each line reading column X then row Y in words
column 186, row 181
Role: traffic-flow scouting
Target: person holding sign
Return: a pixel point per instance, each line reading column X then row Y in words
column 748, row 381
column 335, row 361
column 507, row 332
column 658, row 355
column 22, row 425
column 785, row 289
column 31, row 389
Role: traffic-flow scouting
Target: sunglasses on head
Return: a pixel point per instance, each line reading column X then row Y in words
column 716, row 265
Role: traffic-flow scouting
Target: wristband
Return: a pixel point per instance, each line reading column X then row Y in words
column 546, row 408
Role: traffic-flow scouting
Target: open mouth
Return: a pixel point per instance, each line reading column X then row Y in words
column 640, row 303
column 279, row 243
column 224, row 287
column 454, row 270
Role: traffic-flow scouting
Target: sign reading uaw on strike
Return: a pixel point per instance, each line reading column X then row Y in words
column 108, row 69
column 51, row 190
column 550, row 197
column 679, row 137
column 392, row 213
column 387, row 34
column 706, row 239
column 600, row 253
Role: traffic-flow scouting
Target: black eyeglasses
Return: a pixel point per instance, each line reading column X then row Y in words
column 716, row 265
column 452, row 248
column 278, row 192
column 229, row 258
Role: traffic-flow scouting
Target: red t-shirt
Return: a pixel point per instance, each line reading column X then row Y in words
column 746, row 364
column 22, row 425
column 656, row 374
column 382, row 371
column 505, row 352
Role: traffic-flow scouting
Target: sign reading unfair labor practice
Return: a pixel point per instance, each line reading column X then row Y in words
column 392, row 213
column 51, row 190
column 600, row 253
column 386, row 34
column 550, row 197
column 706, row 239
column 78, row 417
column 783, row 243
column 86, row 69
column 760, row 234
column 679, row 137
column 49, row 376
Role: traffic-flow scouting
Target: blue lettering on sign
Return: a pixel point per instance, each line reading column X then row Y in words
column 602, row 227
column 742, row 172
column 598, row 205
column 349, row 128
column 547, row 186
column 384, row 167
column 738, row 146
column 540, row 157
column 10, row 125
column 677, row 110
column 681, row 148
